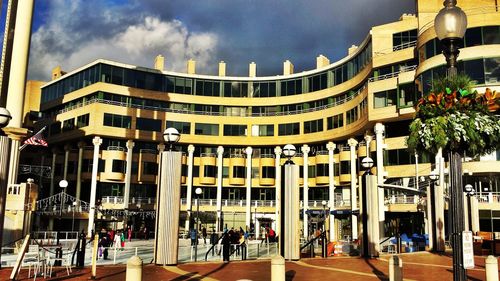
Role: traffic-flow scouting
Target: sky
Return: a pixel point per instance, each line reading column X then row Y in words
column 72, row 33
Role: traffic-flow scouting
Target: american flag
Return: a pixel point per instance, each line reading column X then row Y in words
column 36, row 139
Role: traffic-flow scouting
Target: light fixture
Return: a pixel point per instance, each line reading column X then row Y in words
column 433, row 176
column 468, row 188
column 323, row 203
column 367, row 163
column 289, row 151
column 5, row 117
column 63, row 184
column 171, row 136
column 30, row 181
column 197, row 191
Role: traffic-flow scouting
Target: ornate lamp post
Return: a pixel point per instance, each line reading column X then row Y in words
column 434, row 177
column 368, row 206
column 450, row 25
column 469, row 191
column 289, row 151
column 198, row 192
column 171, row 136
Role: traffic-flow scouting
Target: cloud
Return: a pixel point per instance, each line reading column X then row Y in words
column 67, row 42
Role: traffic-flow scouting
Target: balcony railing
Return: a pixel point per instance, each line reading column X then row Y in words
column 402, row 199
column 116, row 148
column 393, row 74
column 489, row 197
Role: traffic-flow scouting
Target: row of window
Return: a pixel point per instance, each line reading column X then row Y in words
column 481, row 71
column 158, row 82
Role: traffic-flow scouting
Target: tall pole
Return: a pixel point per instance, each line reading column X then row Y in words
column 97, row 141
column 196, row 231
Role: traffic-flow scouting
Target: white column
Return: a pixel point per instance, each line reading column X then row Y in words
column 53, row 171
column 17, row 78
column 439, row 203
column 474, row 209
column 277, row 213
column 248, row 218
column 331, row 188
column 67, row 149
column 220, row 163
column 97, row 141
column 291, row 235
column 430, row 229
column 128, row 173
column 189, row 186
column 305, row 151
column 168, row 207
column 81, row 147
column 354, row 203
column 379, row 138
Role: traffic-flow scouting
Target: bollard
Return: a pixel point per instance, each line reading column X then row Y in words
column 278, row 268
column 395, row 268
column 491, row 268
column 134, row 269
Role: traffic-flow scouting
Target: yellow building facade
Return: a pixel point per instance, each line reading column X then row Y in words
column 233, row 130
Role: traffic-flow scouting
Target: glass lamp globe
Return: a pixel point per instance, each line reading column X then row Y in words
column 450, row 22
column 289, row 150
column 171, row 135
column 5, row 117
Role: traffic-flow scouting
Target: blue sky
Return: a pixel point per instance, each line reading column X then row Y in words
column 72, row 33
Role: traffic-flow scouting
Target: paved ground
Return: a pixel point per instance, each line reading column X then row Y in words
column 417, row 266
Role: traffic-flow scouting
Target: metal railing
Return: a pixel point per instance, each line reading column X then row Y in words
column 322, row 152
column 488, row 197
column 148, row 151
column 397, row 48
column 402, row 199
column 116, row 148
column 393, row 74
column 208, row 154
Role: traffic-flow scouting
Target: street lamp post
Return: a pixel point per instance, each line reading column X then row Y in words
column 469, row 191
column 289, row 238
column 198, row 193
column 450, row 25
column 62, row 184
column 434, row 177
column 73, row 219
column 323, row 235
column 368, row 229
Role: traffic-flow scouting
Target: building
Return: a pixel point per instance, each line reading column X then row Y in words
column 233, row 129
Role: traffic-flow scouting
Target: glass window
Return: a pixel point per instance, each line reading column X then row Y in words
column 147, row 124
column 322, row 170
column 475, row 69
column 313, row 126
column 492, row 70
column 210, row 171
column 119, row 166
column 352, row 115
column 345, row 167
column 407, row 96
column 336, row 121
column 235, row 130
column 239, row 171
column 491, row 34
column 182, row 127
column 82, row 120
column 473, row 37
column 266, row 130
column 384, row 98
column 149, row 168
column 288, row 129
column 68, row 125
column 268, row 172
column 206, row 129
column 119, row 121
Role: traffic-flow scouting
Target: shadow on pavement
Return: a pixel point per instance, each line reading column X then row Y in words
column 380, row 275
column 290, row 275
column 187, row 276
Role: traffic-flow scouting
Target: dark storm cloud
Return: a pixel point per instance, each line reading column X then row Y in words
column 271, row 31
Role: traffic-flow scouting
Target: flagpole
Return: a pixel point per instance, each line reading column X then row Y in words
column 39, row 132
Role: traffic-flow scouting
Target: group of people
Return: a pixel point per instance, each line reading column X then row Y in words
column 111, row 238
column 234, row 239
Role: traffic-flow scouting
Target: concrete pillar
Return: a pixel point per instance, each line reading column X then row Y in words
column 291, row 221
column 159, row 63
column 128, row 173
column 252, row 70
column 395, row 268
column 354, row 201
column 97, row 141
column 16, row 135
column 331, row 189
column 491, row 268
column 287, row 68
column 222, row 69
column 305, row 151
column 191, row 66
column 67, row 149
column 439, row 204
column 430, row 216
column 220, row 163
column 466, row 211
column 167, row 211
column 52, row 183
column 278, row 269
column 277, row 164
column 322, row 61
column 134, row 269
column 189, row 182
column 81, row 147
column 373, row 220
column 4, row 156
column 17, row 78
column 248, row 206
column 474, row 209
column 379, row 139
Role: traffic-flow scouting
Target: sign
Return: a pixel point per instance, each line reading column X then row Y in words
column 468, row 250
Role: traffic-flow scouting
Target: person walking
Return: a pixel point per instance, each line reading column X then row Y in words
column 194, row 237
column 129, row 234
column 204, row 234
column 213, row 240
column 226, row 247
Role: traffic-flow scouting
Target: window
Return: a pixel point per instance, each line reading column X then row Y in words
column 149, row 168
column 345, row 167
column 147, row 124
column 492, row 70
column 407, row 96
column 262, row 130
column 313, row 126
column 291, row 87
column 322, row 170
column 119, row 166
column 207, row 88
column 235, row 130
column 68, row 125
column 404, row 37
column 317, row 82
column 384, row 98
column 235, row 89
column 210, row 171
column 82, row 120
column 268, row 172
column 475, row 69
column 288, row 129
column 351, row 115
column 182, row 127
column 264, row 89
column 206, row 129
column 491, row 35
column 239, row 172
column 119, row 121
column 336, row 121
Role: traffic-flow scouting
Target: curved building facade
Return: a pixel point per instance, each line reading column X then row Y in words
column 233, row 129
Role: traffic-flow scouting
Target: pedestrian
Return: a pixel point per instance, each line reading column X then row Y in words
column 204, row 234
column 226, row 247
column 146, row 233
column 129, row 234
column 117, row 241
column 243, row 245
column 122, row 239
column 194, row 236
column 214, row 238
